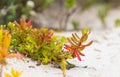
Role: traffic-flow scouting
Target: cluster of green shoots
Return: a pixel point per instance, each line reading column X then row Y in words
column 42, row 45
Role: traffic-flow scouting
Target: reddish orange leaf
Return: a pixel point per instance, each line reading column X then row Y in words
column 15, row 55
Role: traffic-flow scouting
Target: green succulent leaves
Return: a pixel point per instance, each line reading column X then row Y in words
column 42, row 45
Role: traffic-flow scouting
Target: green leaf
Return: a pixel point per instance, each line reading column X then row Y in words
column 84, row 38
column 47, row 2
column 45, row 60
column 75, row 25
column 85, row 31
column 70, row 3
column 3, row 26
column 117, row 22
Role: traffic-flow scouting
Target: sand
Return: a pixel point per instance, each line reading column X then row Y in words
column 101, row 58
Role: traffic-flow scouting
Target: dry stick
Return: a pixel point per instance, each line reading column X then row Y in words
column 60, row 16
column 68, row 15
column 64, row 75
column 1, row 70
column 60, row 24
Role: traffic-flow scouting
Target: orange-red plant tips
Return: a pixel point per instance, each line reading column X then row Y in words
column 76, row 44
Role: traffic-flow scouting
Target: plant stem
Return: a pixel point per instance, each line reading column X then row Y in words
column 64, row 75
column 68, row 15
column 1, row 70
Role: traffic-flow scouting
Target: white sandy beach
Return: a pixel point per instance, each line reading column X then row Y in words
column 101, row 60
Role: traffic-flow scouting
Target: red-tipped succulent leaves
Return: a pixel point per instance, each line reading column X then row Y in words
column 76, row 44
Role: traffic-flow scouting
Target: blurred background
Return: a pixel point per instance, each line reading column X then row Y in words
column 63, row 14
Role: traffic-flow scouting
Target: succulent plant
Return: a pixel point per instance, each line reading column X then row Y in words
column 42, row 45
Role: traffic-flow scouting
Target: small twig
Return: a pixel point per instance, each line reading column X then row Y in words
column 1, row 70
column 68, row 15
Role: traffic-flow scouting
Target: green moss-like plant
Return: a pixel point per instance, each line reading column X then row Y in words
column 42, row 45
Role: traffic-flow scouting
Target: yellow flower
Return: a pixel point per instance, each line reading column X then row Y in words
column 13, row 73
column 5, row 39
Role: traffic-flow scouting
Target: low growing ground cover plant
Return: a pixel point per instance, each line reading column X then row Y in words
column 42, row 45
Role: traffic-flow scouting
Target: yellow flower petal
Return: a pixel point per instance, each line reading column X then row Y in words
column 15, row 73
column 7, row 75
column 1, row 33
column 6, row 39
